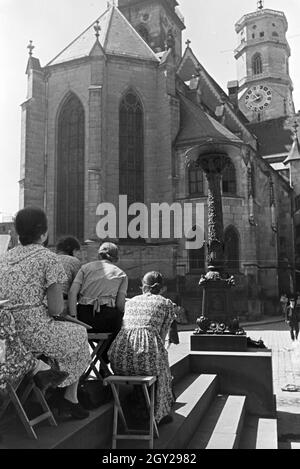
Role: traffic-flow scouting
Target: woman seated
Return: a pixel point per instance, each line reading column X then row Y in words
column 68, row 249
column 30, row 278
column 139, row 348
column 16, row 361
column 100, row 288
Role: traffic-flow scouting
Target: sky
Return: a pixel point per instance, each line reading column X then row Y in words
column 53, row 24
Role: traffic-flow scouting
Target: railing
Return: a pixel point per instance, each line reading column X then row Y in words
column 258, row 13
column 251, row 42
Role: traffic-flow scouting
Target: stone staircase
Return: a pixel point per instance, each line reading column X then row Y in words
column 204, row 418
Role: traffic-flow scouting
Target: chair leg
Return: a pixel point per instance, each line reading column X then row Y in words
column 97, row 349
column 41, row 398
column 115, row 427
column 150, row 405
column 115, row 390
column 19, row 408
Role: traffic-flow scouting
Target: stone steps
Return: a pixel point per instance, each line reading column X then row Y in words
column 259, row 433
column 222, row 425
column 69, row 434
column 205, row 416
column 194, row 395
column 197, row 394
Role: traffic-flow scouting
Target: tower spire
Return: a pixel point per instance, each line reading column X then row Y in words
column 260, row 4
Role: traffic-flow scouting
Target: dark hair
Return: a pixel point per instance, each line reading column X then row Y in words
column 152, row 282
column 30, row 224
column 68, row 244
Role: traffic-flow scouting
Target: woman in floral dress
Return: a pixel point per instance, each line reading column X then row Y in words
column 139, row 348
column 31, row 278
column 16, row 361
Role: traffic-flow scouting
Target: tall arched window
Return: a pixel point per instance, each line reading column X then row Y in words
column 229, row 180
column 131, row 144
column 231, row 249
column 195, row 175
column 257, row 66
column 196, row 257
column 70, row 169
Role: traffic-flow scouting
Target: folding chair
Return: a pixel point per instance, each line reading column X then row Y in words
column 18, row 397
column 148, row 384
column 98, row 343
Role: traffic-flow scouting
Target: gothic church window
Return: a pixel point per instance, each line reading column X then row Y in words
column 70, row 169
column 195, row 181
column 131, row 148
column 196, row 257
column 231, row 249
column 229, row 180
column 257, row 66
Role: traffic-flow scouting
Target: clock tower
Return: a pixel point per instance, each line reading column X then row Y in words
column 265, row 86
column 159, row 22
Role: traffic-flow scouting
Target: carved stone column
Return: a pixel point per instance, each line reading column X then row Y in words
column 213, row 167
column 216, row 296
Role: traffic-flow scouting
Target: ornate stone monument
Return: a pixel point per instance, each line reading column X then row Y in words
column 222, row 331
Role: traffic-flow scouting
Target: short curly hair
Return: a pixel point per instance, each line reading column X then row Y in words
column 68, row 244
column 30, row 224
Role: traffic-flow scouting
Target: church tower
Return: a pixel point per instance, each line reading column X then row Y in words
column 159, row 22
column 265, row 86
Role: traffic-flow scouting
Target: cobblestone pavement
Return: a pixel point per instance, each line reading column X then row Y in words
column 286, row 370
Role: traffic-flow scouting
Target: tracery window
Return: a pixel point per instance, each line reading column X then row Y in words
column 196, row 180
column 70, row 169
column 131, row 144
column 257, row 66
column 229, row 180
column 231, row 249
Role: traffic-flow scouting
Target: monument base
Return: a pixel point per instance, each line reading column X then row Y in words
column 218, row 343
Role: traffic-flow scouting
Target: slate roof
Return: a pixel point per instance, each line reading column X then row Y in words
column 188, row 67
column 198, row 126
column 273, row 138
column 117, row 37
column 294, row 154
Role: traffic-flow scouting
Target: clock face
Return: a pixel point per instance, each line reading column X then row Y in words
column 258, row 98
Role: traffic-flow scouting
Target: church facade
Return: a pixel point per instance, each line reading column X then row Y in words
column 124, row 110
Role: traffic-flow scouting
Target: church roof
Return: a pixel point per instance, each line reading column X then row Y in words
column 198, row 126
column 272, row 136
column 117, row 37
column 212, row 95
column 294, row 154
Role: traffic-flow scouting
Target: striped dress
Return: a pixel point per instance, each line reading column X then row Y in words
column 139, row 348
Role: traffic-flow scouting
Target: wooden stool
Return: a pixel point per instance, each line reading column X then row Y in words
column 18, row 400
column 98, row 343
column 147, row 383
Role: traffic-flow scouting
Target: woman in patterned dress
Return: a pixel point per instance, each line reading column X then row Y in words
column 31, row 278
column 139, row 348
column 16, row 361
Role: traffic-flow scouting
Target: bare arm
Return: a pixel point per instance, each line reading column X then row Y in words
column 120, row 301
column 121, row 296
column 72, row 298
column 55, row 300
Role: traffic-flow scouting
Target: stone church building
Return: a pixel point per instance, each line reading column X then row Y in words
column 125, row 109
